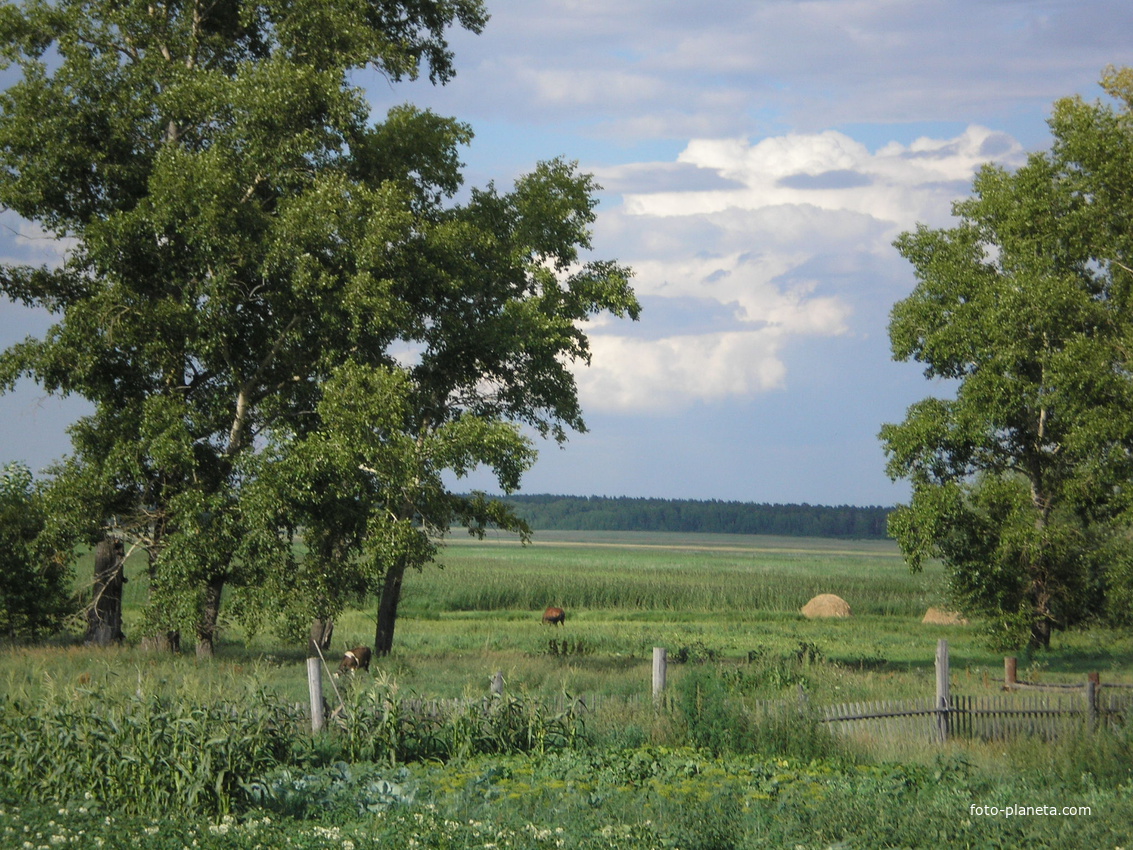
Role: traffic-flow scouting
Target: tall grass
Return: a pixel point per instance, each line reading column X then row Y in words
column 140, row 755
column 145, row 752
column 702, row 573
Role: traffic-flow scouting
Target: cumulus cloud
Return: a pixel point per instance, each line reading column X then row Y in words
column 765, row 234
column 831, row 171
column 665, row 374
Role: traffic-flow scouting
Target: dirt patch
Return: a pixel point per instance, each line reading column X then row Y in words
column 940, row 617
column 826, row 605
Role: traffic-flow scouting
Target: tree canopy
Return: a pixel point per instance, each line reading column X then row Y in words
column 1021, row 481
column 283, row 317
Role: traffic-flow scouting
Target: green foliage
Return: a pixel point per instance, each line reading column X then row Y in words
column 35, row 577
column 702, row 700
column 711, row 704
column 331, row 794
column 381, row 724
column 566, row 648
column 599, row 513
column 282, row 318
column 144, row 755
column 587, row 800
column 1019, row 480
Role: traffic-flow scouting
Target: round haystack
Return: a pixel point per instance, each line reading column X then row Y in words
column 826, row 605
column 940, row 617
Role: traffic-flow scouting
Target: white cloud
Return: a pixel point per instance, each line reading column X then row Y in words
column 899, row 183
column 760, row 235
column 722, row 67
column 665, row 375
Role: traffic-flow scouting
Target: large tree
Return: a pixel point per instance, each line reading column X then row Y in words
column 1024, row 308
column 245, row 239
column 502, row 285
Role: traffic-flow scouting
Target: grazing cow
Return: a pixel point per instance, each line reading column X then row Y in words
column 554, row 617
column 357, row 658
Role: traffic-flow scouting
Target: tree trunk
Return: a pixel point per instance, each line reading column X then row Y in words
column 210, row 614
column 387, row 609
column 321, row 631
column 1040, row 633
column 1040, row 570
column 163, row 641
column 104, row 616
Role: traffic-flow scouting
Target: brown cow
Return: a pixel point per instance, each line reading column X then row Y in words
column 554, row 617
column 357, row 658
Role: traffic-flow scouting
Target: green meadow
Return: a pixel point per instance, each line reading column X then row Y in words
column 123, row 748
column 726, row 599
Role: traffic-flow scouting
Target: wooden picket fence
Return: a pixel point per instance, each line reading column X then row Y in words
column 992, row 717
column 1025, row 709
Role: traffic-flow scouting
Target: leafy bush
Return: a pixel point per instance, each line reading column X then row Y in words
column 334, row 793
column 630, row 799
column 711, row 718
column 772, row 672
column 710, row 702
column 35, row 593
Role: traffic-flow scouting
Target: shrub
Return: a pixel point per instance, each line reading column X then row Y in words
column 334, row 793
column 35, row 582
column 718, row 718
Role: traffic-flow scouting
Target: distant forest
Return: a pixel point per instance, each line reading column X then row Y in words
column 601, row 513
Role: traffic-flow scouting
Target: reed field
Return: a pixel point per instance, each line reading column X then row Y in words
column 730, row 599
column 123, row 748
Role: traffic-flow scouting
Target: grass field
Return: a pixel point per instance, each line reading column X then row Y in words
column 724, row 597
column 728, row 604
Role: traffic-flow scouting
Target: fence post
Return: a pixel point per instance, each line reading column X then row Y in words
column 943, row 697
column 660, row 665
column 1010, row 664
column 498, row 684
column 1092, row 682
column 315, row 693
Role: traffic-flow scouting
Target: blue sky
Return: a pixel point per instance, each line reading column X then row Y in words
column 758, row 158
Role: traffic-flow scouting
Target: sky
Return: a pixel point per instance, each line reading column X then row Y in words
column 757, row 159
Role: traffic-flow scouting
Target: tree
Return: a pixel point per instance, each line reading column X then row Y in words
column 505, row 290
column 245, row 237
column 104, row 613
column 35, row 578
column 1024, row 307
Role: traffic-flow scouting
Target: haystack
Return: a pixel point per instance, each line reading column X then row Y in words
column 940, row 617
column 826, row 605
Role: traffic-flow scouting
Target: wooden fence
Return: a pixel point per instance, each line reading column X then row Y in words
column 1023, row 709
column 992, row 717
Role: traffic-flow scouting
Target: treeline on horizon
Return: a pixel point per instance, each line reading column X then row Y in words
column 624, row 513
